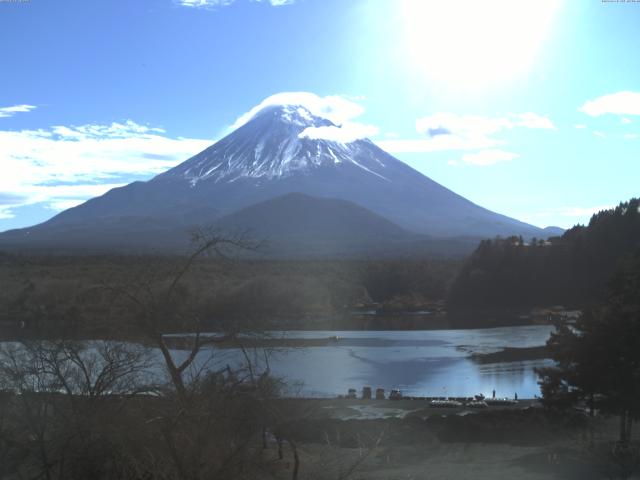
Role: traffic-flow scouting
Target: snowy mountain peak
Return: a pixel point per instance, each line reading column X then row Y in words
column 277, row 141
column 295, row 115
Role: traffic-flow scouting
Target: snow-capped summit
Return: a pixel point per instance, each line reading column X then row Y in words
column 278, row 141
column 291, row 114
column 296, row 115
column 278, row 148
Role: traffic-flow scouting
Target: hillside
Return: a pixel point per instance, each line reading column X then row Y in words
column 570, row 270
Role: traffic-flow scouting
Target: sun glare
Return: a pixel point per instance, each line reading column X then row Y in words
column 473, row 44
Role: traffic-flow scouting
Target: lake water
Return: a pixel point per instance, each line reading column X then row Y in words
column 420, row 363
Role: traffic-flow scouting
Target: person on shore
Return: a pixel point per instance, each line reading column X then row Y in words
column 516, row 396
column 494, row 394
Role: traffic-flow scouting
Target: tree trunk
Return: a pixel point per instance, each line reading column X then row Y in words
column 280, row 454
column 296, row 460
column 623, row 426
column 174, row 373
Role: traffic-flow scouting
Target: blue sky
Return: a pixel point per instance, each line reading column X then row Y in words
column 531, row 108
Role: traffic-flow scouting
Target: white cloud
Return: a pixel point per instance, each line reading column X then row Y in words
column 5, row 212
column 580, row 126
column 598, row 133
column 630, row 136
column 577, row 211
column 620, row 103
column 345, row 133
column 208, row 4
column 338, row 109
column 65, row 165
column 488, row 157
column 205, row 3
column 572, row 214
column 450, row 131
column 625, row 120
column 533, row 120
column 436, row 144
column 467, row 126
column 11, row 111
column 581, row 211
column 64, row 204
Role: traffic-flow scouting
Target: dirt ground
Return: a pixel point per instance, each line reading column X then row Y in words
column 408, row 440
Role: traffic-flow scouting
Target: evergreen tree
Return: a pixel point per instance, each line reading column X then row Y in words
column 598, row 358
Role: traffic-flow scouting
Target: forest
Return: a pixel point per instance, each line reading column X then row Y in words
column 571, row 270
column 75, row 294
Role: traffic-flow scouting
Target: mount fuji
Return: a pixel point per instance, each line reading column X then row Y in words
column 282, row 150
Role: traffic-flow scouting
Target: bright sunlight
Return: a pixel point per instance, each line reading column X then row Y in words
column 475, row 44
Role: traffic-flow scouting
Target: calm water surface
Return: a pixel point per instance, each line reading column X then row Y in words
column 420, row 363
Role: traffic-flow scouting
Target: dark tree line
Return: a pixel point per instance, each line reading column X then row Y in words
column 46, row 295
column 570, row 270
column 598, row 358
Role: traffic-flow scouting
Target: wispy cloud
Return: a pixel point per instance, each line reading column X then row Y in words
column 488, row 157
column 580, row 126
column 620, row 103
column 453, row 132
column 582, row 211
column 11, row 111
column 573, row 211
column 5, row 212
column 65, row 165
column 336, row 108
column 211, row 4
column 205, row 3
column 565, row 216
column 448, row 131
column 421, row 145
column 533, row 120
column 345, row 133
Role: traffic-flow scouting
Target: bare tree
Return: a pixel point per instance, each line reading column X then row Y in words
column 162, row 301
column 58, row 399
column 210, row 418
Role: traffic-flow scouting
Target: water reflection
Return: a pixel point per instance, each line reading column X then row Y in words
column 421, row 363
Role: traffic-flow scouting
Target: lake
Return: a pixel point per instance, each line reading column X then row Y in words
column 420, row 363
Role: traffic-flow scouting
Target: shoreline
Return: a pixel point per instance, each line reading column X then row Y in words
column 513, row 354
column 505, row 354
column 406, row 408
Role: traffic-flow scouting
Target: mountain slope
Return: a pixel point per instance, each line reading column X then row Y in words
column 296, row 224
column 282, row 149
column 296, row 215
